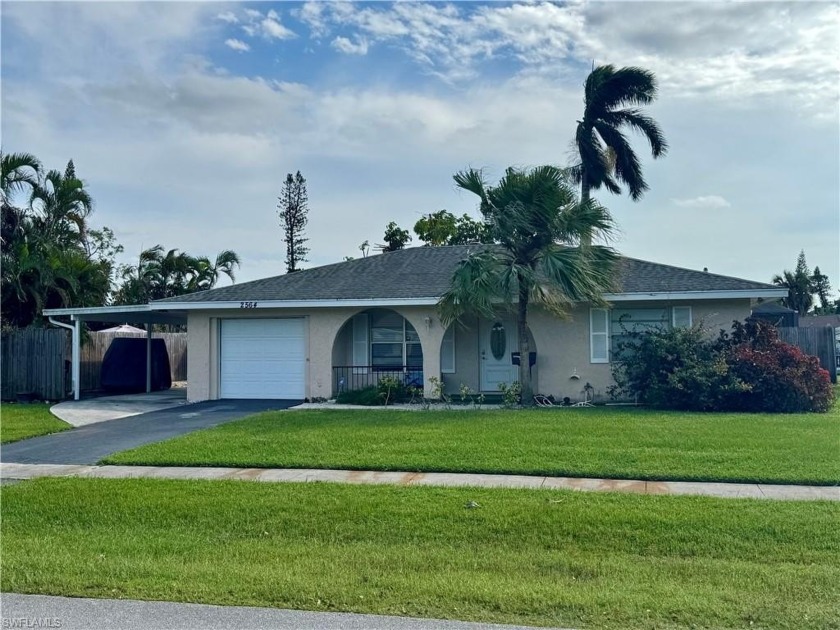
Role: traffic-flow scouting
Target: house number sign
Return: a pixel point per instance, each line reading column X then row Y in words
column 247, row 305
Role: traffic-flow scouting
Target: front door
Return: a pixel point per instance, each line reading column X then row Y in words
column 497, row 342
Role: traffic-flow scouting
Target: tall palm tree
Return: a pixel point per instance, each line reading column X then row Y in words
column 612, row 100
column 539, row 224
column 20, row 171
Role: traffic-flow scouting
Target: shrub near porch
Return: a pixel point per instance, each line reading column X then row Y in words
column 623, row 443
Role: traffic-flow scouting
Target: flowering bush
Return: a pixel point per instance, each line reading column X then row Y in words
column 780, row 376
column 750, row 369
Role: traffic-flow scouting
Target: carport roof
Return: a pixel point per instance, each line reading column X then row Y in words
column 135, row 314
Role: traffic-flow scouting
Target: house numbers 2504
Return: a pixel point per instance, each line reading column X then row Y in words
column 247, row 305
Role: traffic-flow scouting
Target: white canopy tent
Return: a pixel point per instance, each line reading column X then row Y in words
column 138, row 314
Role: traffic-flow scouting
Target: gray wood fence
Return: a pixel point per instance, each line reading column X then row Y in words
column 95, row 347
column 35, row 360
column 818, row 342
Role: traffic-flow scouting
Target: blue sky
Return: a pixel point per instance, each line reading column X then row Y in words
column 183, row 118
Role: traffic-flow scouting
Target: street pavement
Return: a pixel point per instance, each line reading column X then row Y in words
column 66, row 613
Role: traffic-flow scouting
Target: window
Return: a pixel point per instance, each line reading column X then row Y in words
column 681, row 317
column 625, row 321
column 498, row 341
column 393, row 341
column 447, row 351
column 599, row 335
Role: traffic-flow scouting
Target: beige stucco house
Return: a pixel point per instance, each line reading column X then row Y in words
column 312, row 333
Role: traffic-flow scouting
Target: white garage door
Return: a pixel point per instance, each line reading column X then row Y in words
column 263, row 358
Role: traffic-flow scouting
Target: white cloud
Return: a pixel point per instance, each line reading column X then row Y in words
column 312, row 14
column 228, row 17
column 709, row 202
column 344, row 45
column 272, row 28
column 237, row 44
column 697, row 50
column 252, row 13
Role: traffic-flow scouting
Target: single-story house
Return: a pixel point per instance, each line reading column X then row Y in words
column 312, row 333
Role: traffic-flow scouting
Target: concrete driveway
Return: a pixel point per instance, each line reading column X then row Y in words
column 89, row 444
column 92, row 410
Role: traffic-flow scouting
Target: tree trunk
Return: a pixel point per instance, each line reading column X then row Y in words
column 524, row 350
column 586, row 239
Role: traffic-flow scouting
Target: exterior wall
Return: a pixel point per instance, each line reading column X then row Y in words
column 466, row 357
column 322, row 325
column 562, row 346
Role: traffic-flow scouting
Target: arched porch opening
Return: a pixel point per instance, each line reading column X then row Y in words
column 373, row 344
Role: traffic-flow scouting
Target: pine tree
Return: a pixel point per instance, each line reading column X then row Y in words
column 293, row 209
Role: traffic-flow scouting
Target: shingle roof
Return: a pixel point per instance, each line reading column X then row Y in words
column 425, row 272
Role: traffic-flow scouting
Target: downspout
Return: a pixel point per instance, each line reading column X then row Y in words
column 74, row 358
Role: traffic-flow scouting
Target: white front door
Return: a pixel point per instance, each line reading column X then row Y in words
column 497, row 340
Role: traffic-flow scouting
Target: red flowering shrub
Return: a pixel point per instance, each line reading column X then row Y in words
column 780, row 376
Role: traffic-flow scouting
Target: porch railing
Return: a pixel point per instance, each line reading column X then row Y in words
column 352, row 377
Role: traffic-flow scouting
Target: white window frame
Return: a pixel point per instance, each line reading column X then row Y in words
column 448, row 341
column 605, row 313
column 361, row 343
column 674, row 316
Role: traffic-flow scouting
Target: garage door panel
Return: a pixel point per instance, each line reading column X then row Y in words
column 263, row 358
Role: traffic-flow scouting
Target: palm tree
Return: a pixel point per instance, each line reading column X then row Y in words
column 61, row 206
column 19, row 172
column 539, row 225
column 611, row 101
column 207, row 273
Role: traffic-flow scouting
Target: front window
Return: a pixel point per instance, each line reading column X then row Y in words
column 393, row 341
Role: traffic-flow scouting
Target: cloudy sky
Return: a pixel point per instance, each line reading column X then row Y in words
column 183, row 118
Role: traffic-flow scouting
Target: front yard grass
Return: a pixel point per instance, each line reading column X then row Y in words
column 19, row 421
column 538, row 557
column 607, row 442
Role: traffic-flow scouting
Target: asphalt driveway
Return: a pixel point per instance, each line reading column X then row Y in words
column 88, row 444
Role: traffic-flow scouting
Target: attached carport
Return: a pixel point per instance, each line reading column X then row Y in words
column 144, row 314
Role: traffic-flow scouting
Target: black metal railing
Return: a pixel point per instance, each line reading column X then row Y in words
column 352, row 377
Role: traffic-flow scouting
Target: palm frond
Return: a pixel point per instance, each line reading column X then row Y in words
column 628, row 168
column 475, row 288
column 645, row 125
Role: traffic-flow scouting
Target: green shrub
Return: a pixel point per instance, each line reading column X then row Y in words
column 366, row 396
column 390, row 390
column 749, row 370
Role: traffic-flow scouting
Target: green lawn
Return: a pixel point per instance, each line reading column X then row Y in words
column 19, row 421
column 625, row 443
column 524, row 556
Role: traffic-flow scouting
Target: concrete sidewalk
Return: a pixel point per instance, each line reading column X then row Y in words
column 71, row 613
column 10, row 471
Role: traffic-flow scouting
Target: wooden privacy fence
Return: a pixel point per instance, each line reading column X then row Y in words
column 35, row 360
column 818, row 342
column 95, row 347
